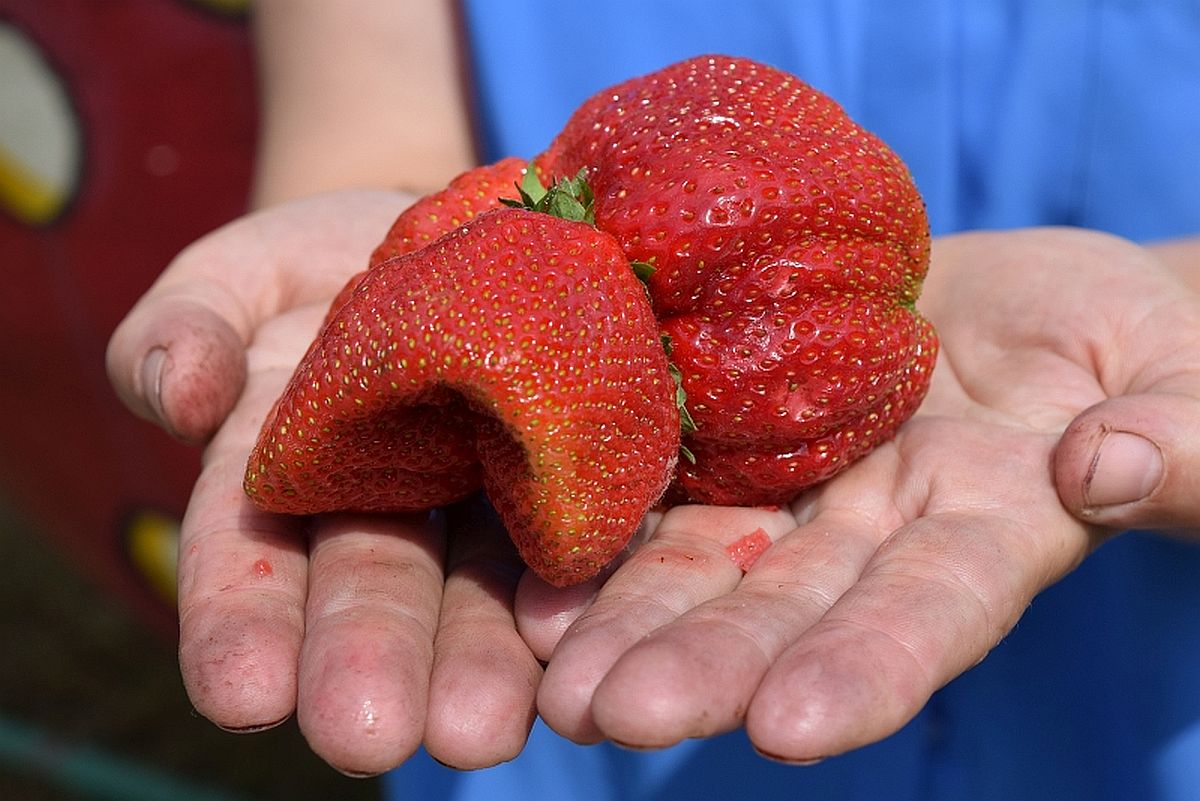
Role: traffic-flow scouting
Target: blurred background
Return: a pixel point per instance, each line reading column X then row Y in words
column 127, row 130
column 92, row 707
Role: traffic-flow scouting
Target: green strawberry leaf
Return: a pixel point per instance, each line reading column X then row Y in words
column 687, row 425
column 643, row 270
column 531, row 188
column 566, row 198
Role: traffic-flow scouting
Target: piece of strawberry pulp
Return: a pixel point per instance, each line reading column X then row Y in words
column 788, row 245
column 517, row 352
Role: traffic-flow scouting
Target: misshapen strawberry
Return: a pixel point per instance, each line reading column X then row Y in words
column 789, row 247
column 466, row 196
column 518, row 351
column 434, row 215
column 783, row 248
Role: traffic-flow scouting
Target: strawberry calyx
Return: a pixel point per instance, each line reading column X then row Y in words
column 566, row 198
column 572, row 199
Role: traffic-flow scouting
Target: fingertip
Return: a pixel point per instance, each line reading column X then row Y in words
column 783, row 726
column 484, row 679
column 240, row 676
column 843, row 686
column 544, row 612
column 661, row 692
column 482, row 718
column 203, row 377
column 180, row 365
column 564, row 696
column 356, row 709
column 1131, row 462
column 802, row 713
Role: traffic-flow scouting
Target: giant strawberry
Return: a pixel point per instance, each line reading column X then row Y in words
column 783, row 249
column 518, row 351
column 789, row 247
column 473, row 192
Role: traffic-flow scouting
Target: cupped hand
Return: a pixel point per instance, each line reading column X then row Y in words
column 378, row 632
column 1065, row 406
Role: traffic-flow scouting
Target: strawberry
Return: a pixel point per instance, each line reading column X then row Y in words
column 518, row 352
column 434, row 215
column 782, row 248
column 788, row 247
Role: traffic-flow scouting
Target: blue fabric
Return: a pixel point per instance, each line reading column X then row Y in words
column 1075, row 112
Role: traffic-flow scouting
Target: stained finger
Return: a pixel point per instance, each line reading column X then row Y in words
column 1134, row 461
column 375, row 589
column 484, row 681
column 242, row 590
column 695, row 676
column 683, row 564
column 936, row 597
column 177, row 358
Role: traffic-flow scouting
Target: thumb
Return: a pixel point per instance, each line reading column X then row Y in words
column 177, row 361
column 1133, row 462
column 178, row 358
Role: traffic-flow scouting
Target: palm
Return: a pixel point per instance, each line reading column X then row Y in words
column 383, row 632
column 904, row 571
column 359, row 624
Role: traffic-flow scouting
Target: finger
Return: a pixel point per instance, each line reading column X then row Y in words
column 683, row 564
column 177, row 359
column 481, row 697
column 243, row 579
column 242, row 588
column 936, row 597
column 545, row 612
column 1133, row 461
column 374, row 592
column 696, row 676
column 178, row 363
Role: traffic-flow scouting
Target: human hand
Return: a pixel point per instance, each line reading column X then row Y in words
column 905, row 570
column 376, row 631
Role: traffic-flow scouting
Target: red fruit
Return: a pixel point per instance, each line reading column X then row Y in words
column 433, row 216
column 786, row 248
column 745, row 552
column 470, row 194
column 519, row 352
column 789, row 247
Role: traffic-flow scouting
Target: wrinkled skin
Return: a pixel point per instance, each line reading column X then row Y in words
column 381, row 633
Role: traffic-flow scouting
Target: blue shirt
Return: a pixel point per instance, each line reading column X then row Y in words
column 1072, row 112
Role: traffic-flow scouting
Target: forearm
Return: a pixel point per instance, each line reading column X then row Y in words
column 366, row 94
